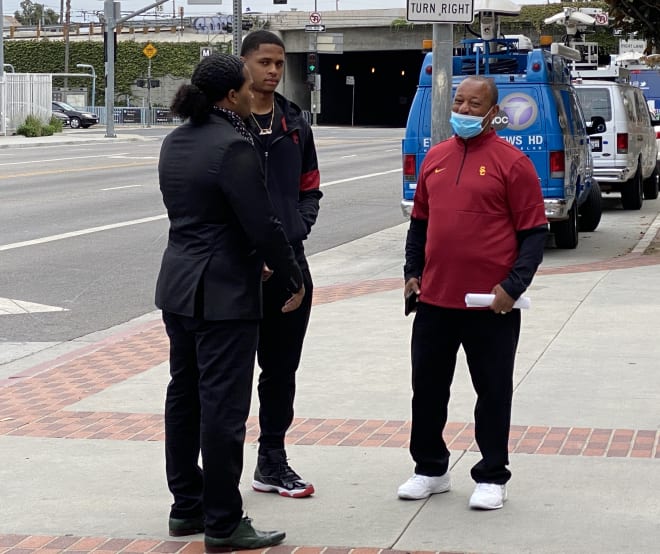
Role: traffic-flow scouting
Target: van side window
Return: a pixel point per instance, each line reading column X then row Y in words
column 595, row 102
column 629, row 104
column 642, row 108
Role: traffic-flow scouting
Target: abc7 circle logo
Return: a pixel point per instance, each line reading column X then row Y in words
column 519, row 110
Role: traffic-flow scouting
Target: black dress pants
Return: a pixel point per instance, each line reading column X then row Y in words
column 207, row 405
column 281, row 339
column 489, row 341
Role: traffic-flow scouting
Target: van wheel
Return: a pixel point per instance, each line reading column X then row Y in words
column 592, row 210
column 566, row 232
column 632, row 192
column 651, row 185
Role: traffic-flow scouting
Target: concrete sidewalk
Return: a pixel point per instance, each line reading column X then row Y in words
column 69, row 136
column 81, row 426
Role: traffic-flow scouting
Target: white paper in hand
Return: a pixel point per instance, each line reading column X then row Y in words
column 475, row 300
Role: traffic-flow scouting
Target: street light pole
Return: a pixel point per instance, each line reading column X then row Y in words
column 88, row 66
column 2, row 46
column 109, row 13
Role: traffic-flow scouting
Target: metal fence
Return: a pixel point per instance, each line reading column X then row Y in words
column 23, row 94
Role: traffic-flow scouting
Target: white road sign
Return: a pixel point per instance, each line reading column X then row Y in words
column 440, row 11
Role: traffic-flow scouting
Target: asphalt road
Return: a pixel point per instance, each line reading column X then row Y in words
column 82, row 228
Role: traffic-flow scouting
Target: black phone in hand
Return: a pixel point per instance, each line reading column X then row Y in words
column 410, row 304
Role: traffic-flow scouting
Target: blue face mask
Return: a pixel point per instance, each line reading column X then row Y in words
column 466, row 126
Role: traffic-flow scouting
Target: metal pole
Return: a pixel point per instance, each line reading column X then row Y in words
column 237, row 27
column 93, row 88
column 443, row 39
column 91, row 67
column 353, row 105
column 149, row 94
column 109, row 13
column 2, row 46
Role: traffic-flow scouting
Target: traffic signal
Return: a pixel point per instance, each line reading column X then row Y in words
column 312, row 62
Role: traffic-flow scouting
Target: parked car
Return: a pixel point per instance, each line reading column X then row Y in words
column 625, row 153
column 65, row 119
column 77, row 118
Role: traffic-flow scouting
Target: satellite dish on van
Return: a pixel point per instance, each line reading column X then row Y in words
column 489, row 12
column 570, row 18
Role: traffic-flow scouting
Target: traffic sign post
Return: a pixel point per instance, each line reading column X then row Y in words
column 205, row 52
column 150, row 50
column 440, row 11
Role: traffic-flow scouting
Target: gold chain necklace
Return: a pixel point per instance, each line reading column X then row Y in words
column 268, row 130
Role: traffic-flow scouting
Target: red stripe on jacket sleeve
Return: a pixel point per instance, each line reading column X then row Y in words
column 310, row 180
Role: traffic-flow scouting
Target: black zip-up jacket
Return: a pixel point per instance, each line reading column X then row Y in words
column 292, row 172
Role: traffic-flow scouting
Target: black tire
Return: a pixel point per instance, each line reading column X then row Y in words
column 652, row 184
column 566, row 232
column 632, row 192
column 86, row 126
column 75, row 123
column 592, row 209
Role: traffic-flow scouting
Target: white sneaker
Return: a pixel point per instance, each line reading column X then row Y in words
column 488, row 496
column 423, row 486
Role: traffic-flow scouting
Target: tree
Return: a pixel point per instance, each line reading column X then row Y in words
column 35, row 14
column 638, row 16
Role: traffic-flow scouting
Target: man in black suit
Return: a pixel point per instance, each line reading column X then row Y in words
column 222, row 231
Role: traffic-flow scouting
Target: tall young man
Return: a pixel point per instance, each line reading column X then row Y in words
column 285, row 143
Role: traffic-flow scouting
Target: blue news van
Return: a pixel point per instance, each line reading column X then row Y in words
column 539, row 113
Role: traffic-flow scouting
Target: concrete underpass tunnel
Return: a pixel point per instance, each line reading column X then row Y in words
column 385, row 83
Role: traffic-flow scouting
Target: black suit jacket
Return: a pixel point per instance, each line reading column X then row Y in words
column 222, row 225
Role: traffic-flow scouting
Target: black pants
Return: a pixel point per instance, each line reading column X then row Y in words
column 281, row 339
column 207, row 405
column 489, row 341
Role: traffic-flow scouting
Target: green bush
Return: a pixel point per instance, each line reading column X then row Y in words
column 32, row 127
column 55, row 124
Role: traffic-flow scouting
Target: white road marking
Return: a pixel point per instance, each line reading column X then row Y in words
column 350, row 156
column 82, row 232
column 10, row 306
column 61, row 159
column 357, row 178
column 111, row 226
column 124, row 187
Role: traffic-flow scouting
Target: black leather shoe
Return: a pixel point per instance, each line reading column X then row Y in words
column 244, row 537
column 185, row 527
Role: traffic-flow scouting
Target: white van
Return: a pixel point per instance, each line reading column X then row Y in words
column 625, row 154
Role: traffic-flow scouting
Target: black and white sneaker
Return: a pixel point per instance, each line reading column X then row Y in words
column 273, row 474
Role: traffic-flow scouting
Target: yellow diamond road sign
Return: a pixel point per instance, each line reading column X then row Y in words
column 150, row 50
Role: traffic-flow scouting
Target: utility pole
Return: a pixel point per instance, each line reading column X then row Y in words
column 443, row 42
column 65, row 31
column 2, row 46
column 237, row 27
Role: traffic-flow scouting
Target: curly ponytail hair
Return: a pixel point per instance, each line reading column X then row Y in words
column 211, row 81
